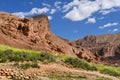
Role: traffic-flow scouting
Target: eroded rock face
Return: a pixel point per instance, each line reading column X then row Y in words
column 23, row 33
column 32, row 33
column 105, row 48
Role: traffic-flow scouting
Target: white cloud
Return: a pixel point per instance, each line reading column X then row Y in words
column 50, row 17
column 83, row 9
column 46, row 5
column 70, row 5
column 57, row 5
column 100, row 18
column 91, row 20
column 52, row 11
column 104, row 12
column 20, row 14
column 75, row 15
column 108, row 4
column 114, row 30
column 38, row 10
column 109, row 25
column 34, row 11
column 78, row 10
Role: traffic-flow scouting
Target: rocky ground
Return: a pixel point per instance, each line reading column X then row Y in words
column 51, row 71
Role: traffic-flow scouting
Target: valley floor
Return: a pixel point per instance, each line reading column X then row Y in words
column 50, row 71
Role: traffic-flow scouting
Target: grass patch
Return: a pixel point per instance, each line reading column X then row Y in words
column 26, row 65
column 113, row 71
column 46, row 57
column 79, row 63
column 17, row 55
column 35, row 65
column 110, row 72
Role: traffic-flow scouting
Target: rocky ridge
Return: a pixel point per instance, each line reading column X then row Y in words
column 105, row 47
column 34, row 33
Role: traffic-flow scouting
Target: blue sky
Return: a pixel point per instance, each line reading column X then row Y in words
column 71, row 19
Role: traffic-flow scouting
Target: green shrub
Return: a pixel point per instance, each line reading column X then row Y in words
column 7, row 52
column 17, row 56
column 16, row 64
column 25, row 66
column 35, row 65
column 4, row 55
column 110, row 72
column 3, row 59
column 33, row 57
column 46, row 57
column 75, row 62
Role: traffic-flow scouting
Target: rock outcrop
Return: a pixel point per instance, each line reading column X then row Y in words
column 106, row 48
column 34, row 33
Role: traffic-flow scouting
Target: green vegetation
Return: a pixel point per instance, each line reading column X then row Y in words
column 35, row 65
column 79, row 63
column 110, row 72
column 26, row 65
column 113, row 71
column 75, row 62
column 17, row 55
column 9, row 54
column 46, row 57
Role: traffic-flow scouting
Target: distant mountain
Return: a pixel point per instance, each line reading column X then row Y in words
column 106, row 47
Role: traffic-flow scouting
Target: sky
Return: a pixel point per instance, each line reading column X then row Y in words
column 71, row 19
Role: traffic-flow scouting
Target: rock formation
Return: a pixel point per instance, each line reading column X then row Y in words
column 106, row 48
column 34, row 33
